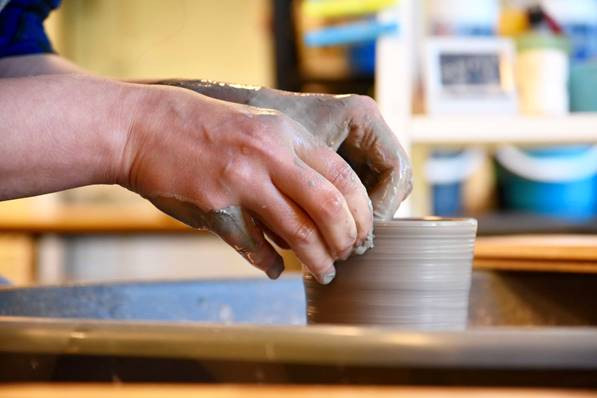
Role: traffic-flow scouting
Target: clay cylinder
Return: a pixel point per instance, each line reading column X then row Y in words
column 417, row 276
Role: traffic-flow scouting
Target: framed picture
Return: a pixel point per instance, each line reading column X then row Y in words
column 470, row 75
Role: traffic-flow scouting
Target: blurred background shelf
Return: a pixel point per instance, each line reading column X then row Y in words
column 87, row 218
column 538, row 253
column 493, row 129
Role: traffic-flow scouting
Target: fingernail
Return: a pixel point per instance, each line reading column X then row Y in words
column 329, row 276
column 275, row 270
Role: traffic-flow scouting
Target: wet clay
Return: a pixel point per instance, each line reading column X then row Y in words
column 417, row 276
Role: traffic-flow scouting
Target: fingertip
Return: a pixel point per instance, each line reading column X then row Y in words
column 275, row 270
column 325, row 278
column 365, row 244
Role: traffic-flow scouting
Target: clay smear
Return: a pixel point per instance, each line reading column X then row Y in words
column 417, row 276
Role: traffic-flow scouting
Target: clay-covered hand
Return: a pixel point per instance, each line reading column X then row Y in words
column 242, row 172
column 350, row 124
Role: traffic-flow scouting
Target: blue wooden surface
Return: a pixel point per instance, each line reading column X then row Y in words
column 257, row 301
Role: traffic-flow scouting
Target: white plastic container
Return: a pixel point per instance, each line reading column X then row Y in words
column 542, row 67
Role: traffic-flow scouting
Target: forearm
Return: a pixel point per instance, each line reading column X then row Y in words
column 35, row 65
column 61, row 131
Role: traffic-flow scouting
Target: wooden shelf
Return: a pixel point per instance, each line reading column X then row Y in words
column 542, row 253
column 29, row 217
column 492, row 129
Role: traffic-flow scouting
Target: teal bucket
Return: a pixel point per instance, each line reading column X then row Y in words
column 557, row 182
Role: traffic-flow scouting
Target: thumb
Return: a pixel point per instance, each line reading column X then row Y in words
column 234, row 225
column 238, row 228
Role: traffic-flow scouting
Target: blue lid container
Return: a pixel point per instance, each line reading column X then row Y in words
column 558, row 182
column 446, row 171
column 362, row 58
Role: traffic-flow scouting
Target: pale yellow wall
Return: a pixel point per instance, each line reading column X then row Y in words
column 225, row 40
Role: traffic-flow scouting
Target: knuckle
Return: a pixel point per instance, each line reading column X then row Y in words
column 367, row 102
column 236, row 170
column 343, row 176
column 362, row 101
column 332, row 204
column 303, row 234
column 282, row 125
column 273, row 121
column 263, row 138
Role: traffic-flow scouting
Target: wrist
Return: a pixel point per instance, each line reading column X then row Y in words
column 148, row 112
column 134, row 106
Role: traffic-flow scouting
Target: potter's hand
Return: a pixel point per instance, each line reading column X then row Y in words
column 242, row 171
column 351, row 124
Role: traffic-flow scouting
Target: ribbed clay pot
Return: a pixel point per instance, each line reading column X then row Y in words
column 417, row 276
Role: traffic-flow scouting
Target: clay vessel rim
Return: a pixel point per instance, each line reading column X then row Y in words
column 426, row 222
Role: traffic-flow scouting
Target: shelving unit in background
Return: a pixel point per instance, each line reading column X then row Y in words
column 290, row 74
column 396, row 74
column 450, row 130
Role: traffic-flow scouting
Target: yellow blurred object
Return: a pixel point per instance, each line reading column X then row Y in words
column 344, row 8
column 478, row 191
column 16, row 258
column 513, row 21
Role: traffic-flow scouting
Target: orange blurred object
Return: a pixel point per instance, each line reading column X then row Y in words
column 513, row 21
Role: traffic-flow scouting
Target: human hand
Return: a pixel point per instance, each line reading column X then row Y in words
column 353, row 125
column 242, row 172
column 350, row 124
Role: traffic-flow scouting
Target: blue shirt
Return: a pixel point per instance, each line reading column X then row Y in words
column 21, row 27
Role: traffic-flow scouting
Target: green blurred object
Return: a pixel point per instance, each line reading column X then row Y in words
column 583, row 87
column 534, row 41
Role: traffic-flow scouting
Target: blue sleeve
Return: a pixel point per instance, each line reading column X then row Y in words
column 21, row 27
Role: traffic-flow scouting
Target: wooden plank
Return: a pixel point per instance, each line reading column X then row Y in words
column 535, row 266
column 249, row 391
column 59, row 218
column 539, row 247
